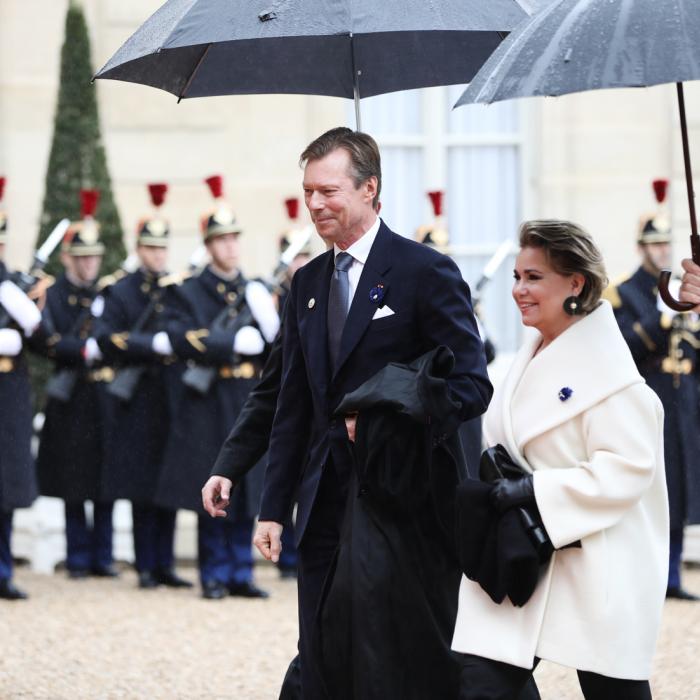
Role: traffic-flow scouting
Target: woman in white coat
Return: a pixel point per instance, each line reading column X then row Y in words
column 577, row 416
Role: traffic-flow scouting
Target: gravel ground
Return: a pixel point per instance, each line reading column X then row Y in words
column 98, row 639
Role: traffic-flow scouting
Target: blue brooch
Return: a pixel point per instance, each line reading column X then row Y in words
column 376, row 295
column 565, row 393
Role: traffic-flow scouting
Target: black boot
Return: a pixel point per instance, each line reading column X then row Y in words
column 168, row 577
column 8, row 590
column 147, row 580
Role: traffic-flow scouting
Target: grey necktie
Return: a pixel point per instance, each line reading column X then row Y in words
column 338, row 297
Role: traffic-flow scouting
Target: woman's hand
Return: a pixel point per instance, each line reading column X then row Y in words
column 509, row 493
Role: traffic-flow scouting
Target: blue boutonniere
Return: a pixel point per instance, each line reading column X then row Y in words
column 565, row 393
column 376, row 295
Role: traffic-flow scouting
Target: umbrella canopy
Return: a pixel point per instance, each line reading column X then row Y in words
column 578, row 45
column 197, row 48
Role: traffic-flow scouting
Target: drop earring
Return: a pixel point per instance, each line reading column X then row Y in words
column 572, row 306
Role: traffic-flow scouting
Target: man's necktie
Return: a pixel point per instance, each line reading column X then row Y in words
column 338, row 297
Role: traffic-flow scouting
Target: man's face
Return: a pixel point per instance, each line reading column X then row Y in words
column 86, row 267
column 656, row 256
column 153, row 258
column 224, row 251
column 340, row 211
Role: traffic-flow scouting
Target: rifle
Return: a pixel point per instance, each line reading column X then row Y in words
column 231, row 319
column 26, row 280
column 127, row 379
column 62, row 384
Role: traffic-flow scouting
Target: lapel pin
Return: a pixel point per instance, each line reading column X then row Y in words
column 312, row 303
column 565, row 393
column 376, row 295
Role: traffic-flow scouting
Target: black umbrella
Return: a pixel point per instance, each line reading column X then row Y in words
column 342, row 48
column 578, row 45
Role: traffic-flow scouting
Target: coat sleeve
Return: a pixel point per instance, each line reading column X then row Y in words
column 622, row 435
column 292, row 421
column 250, row 436
column 447, row 318
column 646, row 334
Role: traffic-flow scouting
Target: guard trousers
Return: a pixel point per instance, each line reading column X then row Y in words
column 88, row 543
column 675, row 554
column 154, row 535
column 225, row 549
column 5, row 552
column 485, row 679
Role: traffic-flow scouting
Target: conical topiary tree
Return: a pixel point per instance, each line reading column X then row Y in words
column 77, row 157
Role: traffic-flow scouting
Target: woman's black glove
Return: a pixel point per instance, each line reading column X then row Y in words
column 509, row 493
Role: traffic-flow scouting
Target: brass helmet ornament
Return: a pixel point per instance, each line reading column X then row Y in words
column 83, row 237
column 435, row 234
column 221, row 220
column 656, row 227
column 3, row 216
column 154, row 230
column 294, row 230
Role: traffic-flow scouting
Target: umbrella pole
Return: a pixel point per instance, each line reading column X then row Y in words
column 355, row 86
column 665, row 276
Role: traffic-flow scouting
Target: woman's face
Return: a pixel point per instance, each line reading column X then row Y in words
column 539, row 292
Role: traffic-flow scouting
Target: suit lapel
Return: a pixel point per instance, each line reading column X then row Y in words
column 362, row 308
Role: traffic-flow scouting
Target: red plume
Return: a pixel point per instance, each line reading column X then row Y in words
column 216, row 185
column 436, row 201
column 157, row 192
column 292, row 205
column 88, row 202
column 660, row 189
column 2, row 187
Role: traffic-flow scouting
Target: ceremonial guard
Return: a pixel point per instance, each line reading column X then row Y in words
column 73, row 439
column 130, row 332
column 665, row 345
column 19, row 318
column 221, row 326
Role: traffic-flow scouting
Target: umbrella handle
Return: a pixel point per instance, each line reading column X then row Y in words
column 665, row 278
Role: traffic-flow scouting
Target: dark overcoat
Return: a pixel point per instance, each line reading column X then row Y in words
column 72, row 442
column 18, row 487
column 139, row 426
column 387, row 615
column 201, row 423
column 666, row 351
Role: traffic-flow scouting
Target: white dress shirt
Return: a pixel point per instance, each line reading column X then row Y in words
column 359, row 251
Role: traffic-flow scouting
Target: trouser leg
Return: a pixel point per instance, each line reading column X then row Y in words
column 78, row 538
column 675, row 554
column 597, row 687
column 213, row 551
column 165, row 538
column 239, row 539
column 316, row 553
column 144, row 531
column 486, row 679
column 102, row 533
column 6, row 567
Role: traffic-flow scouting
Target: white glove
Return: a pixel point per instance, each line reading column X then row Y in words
column 248, row 341
column 10, row 342
column 97, row 307
column 20, row 307
column 262, row 306
column 91, row 351
column 161, row 344
column 674, row 287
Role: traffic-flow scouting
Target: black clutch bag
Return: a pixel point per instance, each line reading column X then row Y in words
column 497, row 464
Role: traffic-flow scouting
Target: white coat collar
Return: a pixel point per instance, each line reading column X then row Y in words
column 590, row 358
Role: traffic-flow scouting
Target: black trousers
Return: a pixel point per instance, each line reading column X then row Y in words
column 316, row 552
column 485, row 679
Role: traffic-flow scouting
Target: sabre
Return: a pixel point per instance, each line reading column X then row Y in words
column 502, row 252
column 41, row 257
column 302, row 237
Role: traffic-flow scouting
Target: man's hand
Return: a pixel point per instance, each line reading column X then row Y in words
column 351, row 424
column 268, row 539
column 215, row 496
column 690, row 288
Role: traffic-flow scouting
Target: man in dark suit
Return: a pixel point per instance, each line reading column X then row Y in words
column 373, row 298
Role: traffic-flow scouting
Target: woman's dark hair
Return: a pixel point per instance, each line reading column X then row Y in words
column 569, row 250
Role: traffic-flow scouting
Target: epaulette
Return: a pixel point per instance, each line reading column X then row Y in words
column 176, row 278
column 109, row 280
column 611, row 292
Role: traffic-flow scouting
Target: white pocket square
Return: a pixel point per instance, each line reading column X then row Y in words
column 382, row 312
